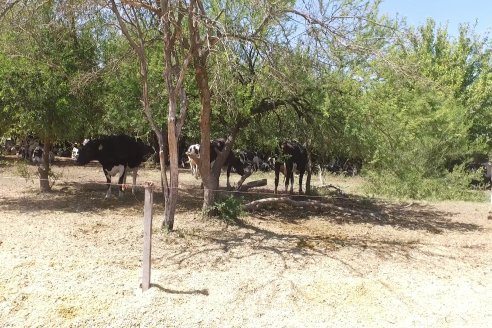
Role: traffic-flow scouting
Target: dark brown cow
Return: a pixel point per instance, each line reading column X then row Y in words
column 293, row 157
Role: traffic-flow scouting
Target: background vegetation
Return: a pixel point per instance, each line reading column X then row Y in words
column 412, row 103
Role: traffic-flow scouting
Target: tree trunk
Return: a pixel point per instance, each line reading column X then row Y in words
column 172, row 199
column 309, row 173
column 210, row 186
column 44, row 169
column 174, row 75
column 164, row 182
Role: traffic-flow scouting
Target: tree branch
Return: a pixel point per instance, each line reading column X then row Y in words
column 138, row 4
column 8, row 8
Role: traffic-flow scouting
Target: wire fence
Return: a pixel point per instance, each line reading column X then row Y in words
column 157, row 188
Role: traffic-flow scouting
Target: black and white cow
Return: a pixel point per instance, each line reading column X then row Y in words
column 193, row 154
column 75, row 152
column 118, row 154
column 27, row 147
column 37, row 155
column 293, row 157
column 488, row 170
column 8, row 146
column 76, row 148
column 231, row 162
column 250, row 158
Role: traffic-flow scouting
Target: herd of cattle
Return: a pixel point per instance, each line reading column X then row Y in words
column 121, row 155
column 293, row 158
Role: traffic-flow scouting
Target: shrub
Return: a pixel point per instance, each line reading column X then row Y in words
column 453, row 185
column 24, row 170
column 228, row 209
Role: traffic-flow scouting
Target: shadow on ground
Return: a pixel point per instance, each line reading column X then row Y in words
column 284, row 232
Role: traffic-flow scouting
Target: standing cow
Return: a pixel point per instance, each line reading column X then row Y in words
column 294, row 157
column 117, row 154
column 232, row 162
column 37, row 155
column 193, row 154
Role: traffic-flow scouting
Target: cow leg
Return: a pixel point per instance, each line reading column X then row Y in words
column 243, row 177
column 294, row 168
column 301, row 174
column 289, row 175
column 122, row 179
column 134, row 176
column 123, row 183
column 195, row 171
column 108, row 182
column 229, row 167
column 277, row 172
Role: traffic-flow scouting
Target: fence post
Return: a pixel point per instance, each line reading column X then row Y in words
column 147, row 235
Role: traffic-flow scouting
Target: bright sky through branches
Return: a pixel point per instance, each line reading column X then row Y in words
column 450, row 12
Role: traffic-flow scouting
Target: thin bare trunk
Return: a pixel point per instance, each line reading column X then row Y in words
column 172, row 191
column 164, row 182
column 209, row 182
column 174, row 82
column 309, row 173
column 174, row 74
column 44, row 169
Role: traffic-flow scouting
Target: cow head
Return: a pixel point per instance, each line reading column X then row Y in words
column 89, row 152
column 37, row 155
column 75, row 153
column 193, row 152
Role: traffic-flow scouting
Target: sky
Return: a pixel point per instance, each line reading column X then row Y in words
column 452, row 12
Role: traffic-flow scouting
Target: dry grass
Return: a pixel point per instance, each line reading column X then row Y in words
column 72, row 259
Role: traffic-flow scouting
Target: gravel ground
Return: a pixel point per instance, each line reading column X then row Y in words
column 69, row 258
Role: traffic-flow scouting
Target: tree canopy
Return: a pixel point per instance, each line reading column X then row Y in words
column 410, row 102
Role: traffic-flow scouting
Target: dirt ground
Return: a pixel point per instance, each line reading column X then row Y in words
column 69, row 258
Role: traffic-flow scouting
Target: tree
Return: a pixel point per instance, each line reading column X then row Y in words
column 47, row 88
column 200, row 27
column 142, row 17
column 418, row 117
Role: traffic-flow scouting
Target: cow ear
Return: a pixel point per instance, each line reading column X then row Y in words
column 100, row 147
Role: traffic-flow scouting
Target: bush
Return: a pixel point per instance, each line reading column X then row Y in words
column 453, row 185
column 25, row 170
column 228, row 209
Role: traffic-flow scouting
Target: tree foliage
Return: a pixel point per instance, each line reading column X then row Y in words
column 414, row 104
column 49, row 87
column 420, row 118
